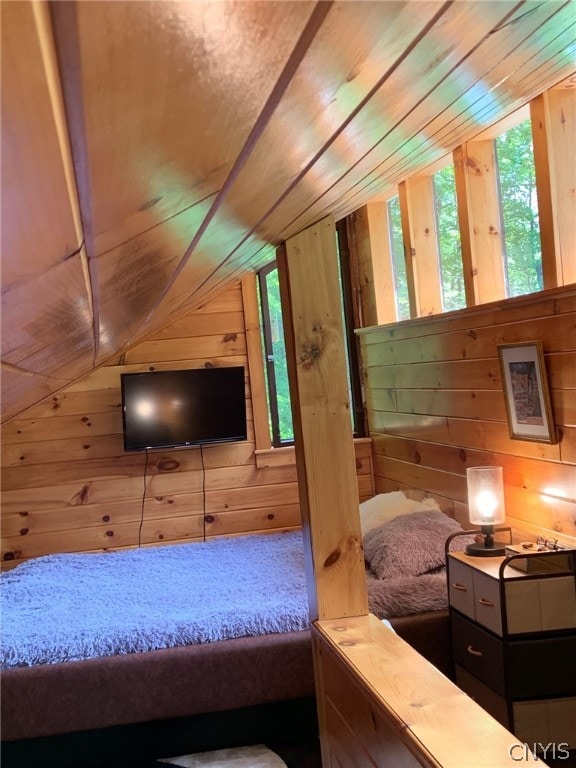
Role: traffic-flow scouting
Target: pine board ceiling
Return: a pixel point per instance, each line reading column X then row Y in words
column 154, row 151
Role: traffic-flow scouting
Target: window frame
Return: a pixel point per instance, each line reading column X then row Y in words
column 358, row 417
column 268, row 357
column 486, row 264
column 345, row 260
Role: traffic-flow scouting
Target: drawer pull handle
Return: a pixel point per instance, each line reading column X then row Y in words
column 474, row 652
column 459, row 587
column 487, row 603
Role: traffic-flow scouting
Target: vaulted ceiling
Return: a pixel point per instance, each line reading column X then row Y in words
column 154, row 151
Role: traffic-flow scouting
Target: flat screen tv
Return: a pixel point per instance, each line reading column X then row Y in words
column 170, row 409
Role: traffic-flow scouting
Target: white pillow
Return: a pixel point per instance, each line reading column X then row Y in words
column 386, row 506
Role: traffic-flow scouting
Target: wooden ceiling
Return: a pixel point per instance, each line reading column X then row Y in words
column 154, row 151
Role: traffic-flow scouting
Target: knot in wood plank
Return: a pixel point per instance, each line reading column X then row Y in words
column 310, row 352
column 168, row 465
column 82, row 496
column 332, row 558
column 473, row 165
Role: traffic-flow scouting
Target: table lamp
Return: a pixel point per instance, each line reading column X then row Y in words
column 485, row 507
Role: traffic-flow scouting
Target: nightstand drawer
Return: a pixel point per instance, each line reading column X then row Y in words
column 535, row 721
column 542, row 667
column 476, row 595
column 547, row 721
column 461, row 588
column 525, row 674
column 541, row 605
column 487, row 602
column 479, row 652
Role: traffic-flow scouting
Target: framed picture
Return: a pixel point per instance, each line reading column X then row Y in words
column 526, row 392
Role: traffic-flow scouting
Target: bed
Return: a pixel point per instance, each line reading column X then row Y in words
column 91, row 641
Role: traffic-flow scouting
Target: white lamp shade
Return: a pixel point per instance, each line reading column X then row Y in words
column 485, row 495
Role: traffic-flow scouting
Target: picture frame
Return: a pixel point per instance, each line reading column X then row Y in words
column 526, row 392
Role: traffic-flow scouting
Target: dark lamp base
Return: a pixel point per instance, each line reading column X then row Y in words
column 481, row 550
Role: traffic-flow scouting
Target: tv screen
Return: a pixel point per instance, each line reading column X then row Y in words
column 169, row 409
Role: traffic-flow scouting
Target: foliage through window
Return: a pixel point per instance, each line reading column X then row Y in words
column 519, row 210
column 398, row 261
column 519, row 224
column 449, row 248
column 278, row 389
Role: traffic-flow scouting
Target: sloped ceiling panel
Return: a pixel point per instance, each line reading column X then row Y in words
column 154, row 151
column 47, row 320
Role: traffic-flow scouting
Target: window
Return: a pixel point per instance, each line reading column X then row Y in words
column 519, row 210
column 278, row 390
column 511, row 197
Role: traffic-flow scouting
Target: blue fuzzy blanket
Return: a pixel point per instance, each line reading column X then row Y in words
column 78, row 606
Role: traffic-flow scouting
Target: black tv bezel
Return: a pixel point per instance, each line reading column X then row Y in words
column 133, row 448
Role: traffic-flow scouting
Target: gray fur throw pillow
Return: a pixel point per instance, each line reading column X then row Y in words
column 408, row 595
column 411, row 545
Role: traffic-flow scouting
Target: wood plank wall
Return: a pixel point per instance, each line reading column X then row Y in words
column 436, row 406
column 68, row 486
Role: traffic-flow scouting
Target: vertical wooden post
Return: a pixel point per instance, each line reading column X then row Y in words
column 553, row 117
column 308, row 272
column 309, row 286
column 420, row 245
column 376, row 276
column 480, row 225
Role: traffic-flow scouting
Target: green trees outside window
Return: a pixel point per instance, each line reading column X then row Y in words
column 519, row 208
column 521, row 248
column 278, row 389
column 398, row 260
column 449, row 248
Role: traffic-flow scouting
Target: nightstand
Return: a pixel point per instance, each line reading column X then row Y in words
column 514, row 640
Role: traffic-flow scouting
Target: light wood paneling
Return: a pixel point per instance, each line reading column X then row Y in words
column 387, row 706
column 476, row 178
column 151, row 155
column 520, row 309
column 68, row 486
column 420, row 245
column 553, row 116
column 547, row 27
column 36, row 165
column 462, row 346
column 375, row 274
column 430, row 420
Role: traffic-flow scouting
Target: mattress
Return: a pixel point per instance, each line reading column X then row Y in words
column 97, row 640
column 73, row 607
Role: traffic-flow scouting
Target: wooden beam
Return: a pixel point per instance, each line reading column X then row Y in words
column 385, row 705
column 309, row 284
column 376, row 275
column 480, row 224
column 553, row 115
column 420, row 245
